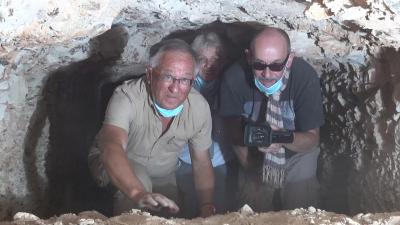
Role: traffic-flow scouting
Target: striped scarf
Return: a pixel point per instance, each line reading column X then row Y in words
column 274, row 163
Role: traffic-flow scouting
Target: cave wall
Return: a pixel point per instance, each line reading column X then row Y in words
column 352, row 44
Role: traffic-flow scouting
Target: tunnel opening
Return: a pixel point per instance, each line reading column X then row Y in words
column 357, row 140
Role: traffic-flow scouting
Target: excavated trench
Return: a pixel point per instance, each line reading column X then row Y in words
column 358, row 107
column 53, row 95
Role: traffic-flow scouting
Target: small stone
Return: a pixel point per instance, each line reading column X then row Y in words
column 294, row 212
column 351, row 222
column 86, row 221
column 139, row 212
column 135, row 211
column 246, row 210
column 23, row 216
column 394, row 220
column 312, row 209
column 359, row 216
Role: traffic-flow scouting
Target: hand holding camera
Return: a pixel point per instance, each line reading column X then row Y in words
column 261, row 135
column 273, row 148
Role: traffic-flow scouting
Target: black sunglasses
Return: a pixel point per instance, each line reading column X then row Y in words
column 276, row 67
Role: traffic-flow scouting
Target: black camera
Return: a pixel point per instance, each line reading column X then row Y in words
column 261, row 134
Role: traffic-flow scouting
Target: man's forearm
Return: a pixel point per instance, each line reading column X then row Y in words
column 112, row 142
column 118, row 168
column 304, row 141
column 204, row 182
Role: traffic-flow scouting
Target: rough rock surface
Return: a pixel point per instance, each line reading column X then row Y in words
column 352, row 44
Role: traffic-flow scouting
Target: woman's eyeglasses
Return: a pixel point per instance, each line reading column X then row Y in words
column 276, row 67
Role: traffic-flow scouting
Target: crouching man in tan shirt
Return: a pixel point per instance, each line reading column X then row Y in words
column 146, row 125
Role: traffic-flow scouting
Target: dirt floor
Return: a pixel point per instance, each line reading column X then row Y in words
column 244, row 216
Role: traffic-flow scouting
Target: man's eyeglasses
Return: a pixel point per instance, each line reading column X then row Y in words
column 276, row 67
column 169, row 79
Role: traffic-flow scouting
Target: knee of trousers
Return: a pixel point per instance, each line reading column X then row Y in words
column 302, row 166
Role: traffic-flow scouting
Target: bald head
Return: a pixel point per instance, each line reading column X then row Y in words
column 269, row 55
column 271, row 36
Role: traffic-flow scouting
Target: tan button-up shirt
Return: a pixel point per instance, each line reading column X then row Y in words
column 131, row 108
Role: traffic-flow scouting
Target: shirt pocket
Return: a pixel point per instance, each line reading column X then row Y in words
column 176, row 144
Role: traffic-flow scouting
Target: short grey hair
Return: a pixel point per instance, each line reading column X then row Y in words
column 207, row 40
column 171, row 45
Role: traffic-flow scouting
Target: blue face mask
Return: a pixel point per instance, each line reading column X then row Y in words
column 203, row 86
column 268, row 90
column 199, row 82
column 168, row 112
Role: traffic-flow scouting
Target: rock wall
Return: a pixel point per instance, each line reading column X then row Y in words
column 352, row 44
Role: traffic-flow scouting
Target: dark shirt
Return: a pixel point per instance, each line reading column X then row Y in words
column 300, row 101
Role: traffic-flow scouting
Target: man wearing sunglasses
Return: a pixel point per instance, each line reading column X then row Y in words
column 272, row 86
column 146, row 125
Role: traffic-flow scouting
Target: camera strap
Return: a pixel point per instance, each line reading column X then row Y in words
column 263, row 109
column 258, row 109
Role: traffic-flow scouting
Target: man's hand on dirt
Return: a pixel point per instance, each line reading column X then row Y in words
column 156, row 202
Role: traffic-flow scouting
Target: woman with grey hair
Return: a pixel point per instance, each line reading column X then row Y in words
column 211, row 60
